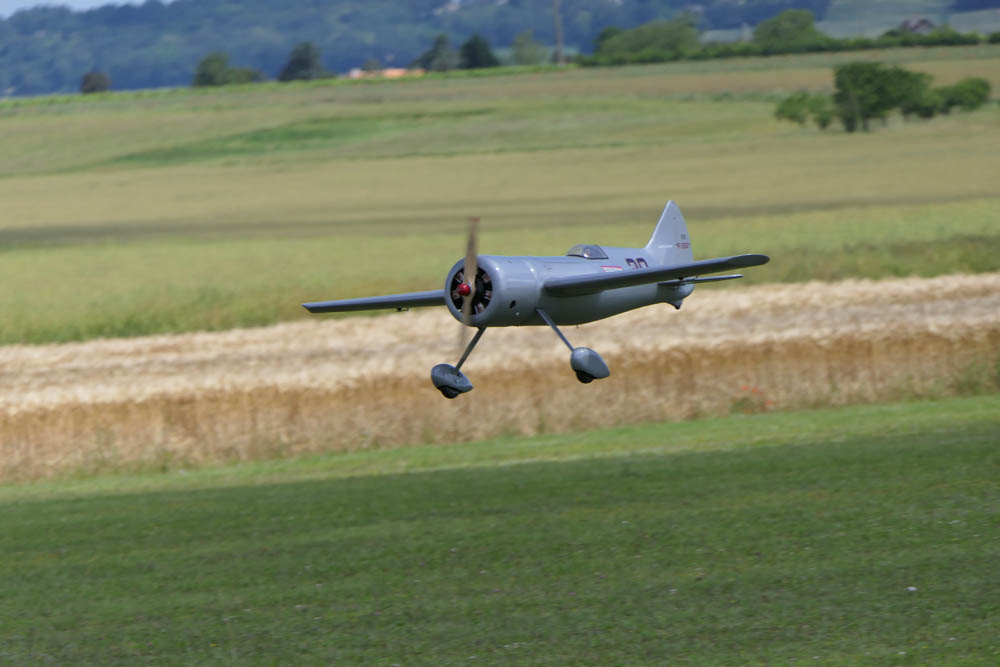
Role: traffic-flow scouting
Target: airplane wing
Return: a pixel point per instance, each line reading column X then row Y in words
column 433, row 297
column 591, row 283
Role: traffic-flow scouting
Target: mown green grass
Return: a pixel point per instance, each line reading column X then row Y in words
column 194, row 210
column 857, row 535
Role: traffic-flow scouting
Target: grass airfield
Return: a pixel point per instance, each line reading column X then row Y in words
column 859, row 535
column 849, row 535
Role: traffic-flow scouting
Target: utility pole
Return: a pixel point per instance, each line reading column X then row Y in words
column 560, row 60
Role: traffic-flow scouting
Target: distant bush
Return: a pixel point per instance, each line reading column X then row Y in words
column 791, row 29
column 994, row 38
column 794, row 108
column 439, row 58
column 802, row 106
column 605, row 35
column 658, row 41
column 214, row 70
column 946, row 36
column 95, row 82
column 910, row 92
column 303, row 64
column 821, row 110
column 476, row 53
column 927, row 105
column 968, row 94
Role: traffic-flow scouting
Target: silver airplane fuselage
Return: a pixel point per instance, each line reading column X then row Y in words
column 515, row 289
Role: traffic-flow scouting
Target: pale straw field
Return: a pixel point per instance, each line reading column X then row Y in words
column 341, row 385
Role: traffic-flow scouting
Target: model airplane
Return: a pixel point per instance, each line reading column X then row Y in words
column 590, row 283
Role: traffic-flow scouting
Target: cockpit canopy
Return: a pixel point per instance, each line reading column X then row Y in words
column 587, row 251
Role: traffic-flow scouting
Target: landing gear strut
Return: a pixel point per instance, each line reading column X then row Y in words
column 450, row 380
column 587, row 364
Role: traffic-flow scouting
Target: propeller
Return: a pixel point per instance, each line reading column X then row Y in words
column 468, row 288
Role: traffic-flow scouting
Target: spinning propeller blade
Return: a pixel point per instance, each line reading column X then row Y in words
column 469, row 272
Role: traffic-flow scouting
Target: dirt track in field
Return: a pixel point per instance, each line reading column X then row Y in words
column 327, row 384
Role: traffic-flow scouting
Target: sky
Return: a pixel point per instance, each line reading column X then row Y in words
column 8, row 7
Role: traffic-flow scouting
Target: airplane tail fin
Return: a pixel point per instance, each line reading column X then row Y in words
column 670, row 243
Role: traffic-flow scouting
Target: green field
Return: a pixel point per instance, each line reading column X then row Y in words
column 183, row 210
column 857, row 535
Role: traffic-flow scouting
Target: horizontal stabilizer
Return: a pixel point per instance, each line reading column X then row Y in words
column 409, row 300
column 693, row 281
column 598, row 282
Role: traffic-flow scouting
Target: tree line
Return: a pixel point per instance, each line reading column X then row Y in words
column 153, row 44
column 304, row 63
column 791, row 31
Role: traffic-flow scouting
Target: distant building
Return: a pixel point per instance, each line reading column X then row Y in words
column 388, row 73
column 918, row 25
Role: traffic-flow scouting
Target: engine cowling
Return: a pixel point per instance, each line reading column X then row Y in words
column 506, row 291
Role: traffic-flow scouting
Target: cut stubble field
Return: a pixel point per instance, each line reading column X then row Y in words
column 300, row 388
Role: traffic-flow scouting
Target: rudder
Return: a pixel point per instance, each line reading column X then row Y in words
column 670, row 243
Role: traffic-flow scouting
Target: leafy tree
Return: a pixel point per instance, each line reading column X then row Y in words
column 800, row 107
column 863, row 91
column 676, row 36
column 476, row 53
column 790, row 28
column 605, row 35
column 303, row 64
column 926, row 105
column 910, row 92
column 527, row 51
column 213, row 70
column 968, row 94
column 822, row 110
column 95, row 82
column 795, row 108
column 440, row 57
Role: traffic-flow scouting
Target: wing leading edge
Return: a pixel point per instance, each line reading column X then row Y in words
column 408, row 300
column 591, row 283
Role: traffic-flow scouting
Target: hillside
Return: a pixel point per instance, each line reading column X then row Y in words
column 48, row 49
